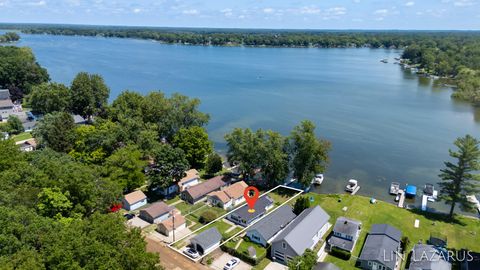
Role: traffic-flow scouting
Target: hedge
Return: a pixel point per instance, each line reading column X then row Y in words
column 340, row 253
column 242, row 256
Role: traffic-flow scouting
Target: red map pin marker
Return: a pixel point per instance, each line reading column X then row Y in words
column 251, row 195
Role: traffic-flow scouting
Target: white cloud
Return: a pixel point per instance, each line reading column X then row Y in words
column 137, row 10
column 309, row 10
column 190, row 12
column 268, row 10
column 410, row 3
column 381, row 12
column 227, row 12
column 336, row 11
column 37, row 4
column 464, row 3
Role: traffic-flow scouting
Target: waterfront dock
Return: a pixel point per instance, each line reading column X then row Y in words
column 355, row 190
column 401, row 201
column 424, row 202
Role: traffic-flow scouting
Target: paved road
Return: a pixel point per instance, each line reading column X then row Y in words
column 171, row 259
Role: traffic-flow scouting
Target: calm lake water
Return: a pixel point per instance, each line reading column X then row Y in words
column 385, row 124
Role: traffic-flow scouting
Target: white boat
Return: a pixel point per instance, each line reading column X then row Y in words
column 394, row 188
column 472, row 199
column 318, row 179
column 384, row 60
column 431, row 193
column 352, row 185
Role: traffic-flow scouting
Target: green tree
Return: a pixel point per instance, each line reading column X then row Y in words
column 14, row 125
column 244, row 147
column 214, row 164
column 305, row 262
column 49, row 97
column 169, row 166
column 89, row 94
column 126, row 166
column 53, row 203
column 309, row 155
column 56, row 131
column 274, row 164
column 195, row 144
column 301, row 204
column 459, row 178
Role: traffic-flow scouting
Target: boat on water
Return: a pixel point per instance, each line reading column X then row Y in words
column 474, row 200
column 318, row 179
column 430, row 192
column 394, row 188
column 411, row 191
column 352, row 185
column 385, row 60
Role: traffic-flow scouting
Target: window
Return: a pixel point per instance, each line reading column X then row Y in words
column 284, row 245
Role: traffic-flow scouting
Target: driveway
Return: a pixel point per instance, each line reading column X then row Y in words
column 220, row 262
column 179, row 234
column 275, row 266
column 137, row 222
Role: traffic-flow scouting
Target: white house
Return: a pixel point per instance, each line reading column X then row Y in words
column 229, row 197
column 134, row 200
column 156, row 212
column 191, row 178
column 174, row 223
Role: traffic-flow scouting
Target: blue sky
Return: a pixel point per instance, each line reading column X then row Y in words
column 304, row 14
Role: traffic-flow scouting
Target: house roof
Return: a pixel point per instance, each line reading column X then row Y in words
column 222, row 196
column 236, row 190
column 341, row 243
column 135, row 197
column 274, row 222
column 206, row 187
column 381, row 245
column 208, row 238
column 6, row 103
column 190, row 175
column 157, row 209
column 325, row 266
column 298, row 234
column 260, row 209
column 346, row 226
column 4, row 94
column 428, row 257
column 168, row 223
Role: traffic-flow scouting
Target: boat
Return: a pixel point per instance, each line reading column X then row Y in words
column 385, row 60
column 430, row 192
column 410, row 191
column 318, row 179
column 394, row 188
column 472, row 199
column 352, row 185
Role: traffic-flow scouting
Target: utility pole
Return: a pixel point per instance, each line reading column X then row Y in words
column 173, row 223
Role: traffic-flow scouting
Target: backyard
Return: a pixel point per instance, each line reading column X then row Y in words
column 463, row 233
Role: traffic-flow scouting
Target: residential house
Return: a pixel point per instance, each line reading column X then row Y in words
column 266, row 229
column 134, row 200
column 206, row 241
column 172, row 224
column 345, row 234
column 244, row 218
column 156, row 212
column 6, row 104
column 429, row 257
column 304, row 232
column 191, row 178
column 325, row 266
column 27, row 145
column 199, row 192
column 381, row 249
column 229, row 197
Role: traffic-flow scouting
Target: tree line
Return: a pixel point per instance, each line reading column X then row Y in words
column 9, row 37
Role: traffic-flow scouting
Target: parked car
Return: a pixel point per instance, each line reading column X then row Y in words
column 129, row 216
column 192, row 253
column 231, row 264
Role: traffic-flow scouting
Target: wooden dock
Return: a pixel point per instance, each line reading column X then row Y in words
column 402, row 198
column 424, row 202
column 355, row 190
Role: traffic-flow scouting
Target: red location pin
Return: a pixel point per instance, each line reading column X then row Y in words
column 251, row 195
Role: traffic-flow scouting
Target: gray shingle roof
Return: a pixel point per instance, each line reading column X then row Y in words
column 325, row 266
column 435, row 260
column 341, row 243
column 299, row 233
column 381, row 245
column 274, row 222
column 207, row 238
column 262, row 203
column 346, row 226
column 4, row 94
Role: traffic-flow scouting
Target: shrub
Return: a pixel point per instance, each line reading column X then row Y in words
column 207, row 217
column 213, row 164
column 340, row 253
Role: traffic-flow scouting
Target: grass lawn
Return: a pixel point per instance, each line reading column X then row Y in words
column 22, row 136
column 464, row 233
column 263, row 263
column 187, row 208
column 173, row 200
column 243, row 248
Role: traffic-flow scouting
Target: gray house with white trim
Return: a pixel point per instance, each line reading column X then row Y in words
column 304, row 232
column 266, row 229
column 428, row 257
column 206, row 241
column 345, row 234
column 381, row 249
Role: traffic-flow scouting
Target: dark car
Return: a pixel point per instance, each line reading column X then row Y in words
column 129, row 216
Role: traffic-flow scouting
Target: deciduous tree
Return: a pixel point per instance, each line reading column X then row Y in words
column 49, row 97
column 89, row 94
column 195, row 144
column 56, row 131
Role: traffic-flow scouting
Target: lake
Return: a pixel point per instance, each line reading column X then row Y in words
column 385, row 124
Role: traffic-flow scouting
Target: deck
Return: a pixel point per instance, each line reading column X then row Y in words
column 424, row 202
column 355, row 190
column 402, row 198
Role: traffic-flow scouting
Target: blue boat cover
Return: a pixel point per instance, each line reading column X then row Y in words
column 411, row 190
